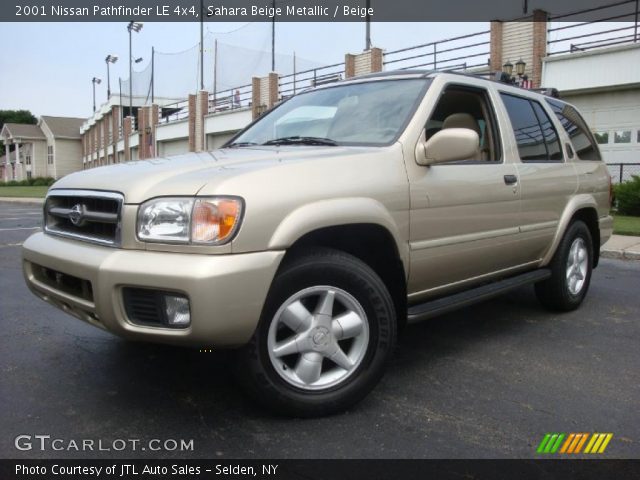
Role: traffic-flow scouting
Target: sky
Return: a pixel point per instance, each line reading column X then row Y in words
column 47, row 67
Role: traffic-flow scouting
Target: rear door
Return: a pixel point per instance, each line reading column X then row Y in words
column 547, row 181
column 582, row 149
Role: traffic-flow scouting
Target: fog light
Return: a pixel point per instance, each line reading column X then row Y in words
column 177, row 309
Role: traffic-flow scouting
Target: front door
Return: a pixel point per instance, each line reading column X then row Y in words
column 464, row 215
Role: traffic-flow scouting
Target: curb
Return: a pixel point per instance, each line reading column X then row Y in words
column 620, row 254
column 26, row 200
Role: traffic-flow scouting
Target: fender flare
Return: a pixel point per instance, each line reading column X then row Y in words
column 578, row 202
column 335, row 212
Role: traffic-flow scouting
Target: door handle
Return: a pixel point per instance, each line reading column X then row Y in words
column 510, row 179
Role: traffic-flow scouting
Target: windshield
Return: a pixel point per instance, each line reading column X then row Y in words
column 371, row 113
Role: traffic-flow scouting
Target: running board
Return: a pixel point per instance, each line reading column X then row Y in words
column 444, row 305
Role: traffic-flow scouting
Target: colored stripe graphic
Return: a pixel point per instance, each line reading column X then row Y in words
column 550, row 443
column 572, row 443
column 581, row 442
column 567, row 443
column 556, row 445
column 543, row 443
column 598, row 443
column 603, row 447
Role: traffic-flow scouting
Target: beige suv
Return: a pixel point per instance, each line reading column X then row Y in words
column 321, row 229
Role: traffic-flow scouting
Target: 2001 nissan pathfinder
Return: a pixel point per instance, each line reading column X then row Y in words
column 335, row 218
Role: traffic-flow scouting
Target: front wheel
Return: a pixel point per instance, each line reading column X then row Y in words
column 326, row 332
column 570, row 270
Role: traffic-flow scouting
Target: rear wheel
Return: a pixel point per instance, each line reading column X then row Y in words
column 324, row 338
column 570, row 270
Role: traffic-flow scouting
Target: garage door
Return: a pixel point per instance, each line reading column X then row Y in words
column 614, row 117
column 173, row 147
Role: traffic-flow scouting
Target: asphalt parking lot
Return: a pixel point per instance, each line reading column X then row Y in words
column 487, row 381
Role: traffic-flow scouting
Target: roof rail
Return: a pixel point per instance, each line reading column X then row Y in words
column 549, row 92
column 501, row 77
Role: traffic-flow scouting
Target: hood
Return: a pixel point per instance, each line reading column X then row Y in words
column 187, row 174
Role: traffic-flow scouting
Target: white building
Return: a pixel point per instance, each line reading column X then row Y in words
column 52, row 148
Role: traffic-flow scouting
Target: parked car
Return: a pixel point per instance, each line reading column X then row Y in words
column 322, row 228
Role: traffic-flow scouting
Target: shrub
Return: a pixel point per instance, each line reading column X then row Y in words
column 42, row 182
column 628, row 196
column 30, row 182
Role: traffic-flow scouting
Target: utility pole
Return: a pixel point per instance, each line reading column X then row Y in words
column 130, row 74
column 273, row 38
column 153, row 73
column 201, row 45
column 215, row 69
column 121, row 109
column 368, row 30
column 635, row 23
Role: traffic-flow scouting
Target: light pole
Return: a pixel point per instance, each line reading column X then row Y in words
column 368, row 29
column 94, row 81
column 132, row 27
column 273, row 38
column 111, row 58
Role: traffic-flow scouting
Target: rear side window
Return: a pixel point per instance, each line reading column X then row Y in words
column 581, row 138
column 549, row 132
column 535, row 134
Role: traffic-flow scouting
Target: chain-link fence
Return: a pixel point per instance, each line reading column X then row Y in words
column 226, row 68
column 621, row 172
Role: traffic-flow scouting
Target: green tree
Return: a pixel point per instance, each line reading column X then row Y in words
column 15, row 116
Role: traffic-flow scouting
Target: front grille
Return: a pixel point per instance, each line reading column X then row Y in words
column 86, row 215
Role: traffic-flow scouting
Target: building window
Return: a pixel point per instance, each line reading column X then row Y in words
column 50, row 155
column 29, row 175
column 622, row 136
column 638, row 139
column 601, row 137
column 27, row 153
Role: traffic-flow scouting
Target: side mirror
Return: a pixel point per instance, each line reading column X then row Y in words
column 449, row 145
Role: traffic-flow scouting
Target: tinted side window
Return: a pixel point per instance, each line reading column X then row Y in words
column 549, row 131
column 526, row 128
column 583, row 142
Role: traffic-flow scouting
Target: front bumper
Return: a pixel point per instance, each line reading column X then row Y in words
column 226, row 292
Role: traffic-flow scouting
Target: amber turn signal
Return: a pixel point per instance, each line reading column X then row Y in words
column 215, row 220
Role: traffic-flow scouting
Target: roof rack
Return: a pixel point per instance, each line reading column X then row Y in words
column 501, row 77
column 498, row 77
column 549, row 92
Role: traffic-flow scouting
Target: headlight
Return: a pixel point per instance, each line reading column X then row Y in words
column 209, row 221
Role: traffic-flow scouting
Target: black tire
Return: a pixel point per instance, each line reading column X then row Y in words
column 555, row 293
column 320, row 267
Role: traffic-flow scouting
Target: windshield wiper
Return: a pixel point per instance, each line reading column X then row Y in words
column 297, row 140
column 241, row 144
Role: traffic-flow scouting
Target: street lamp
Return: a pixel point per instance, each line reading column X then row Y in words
column 508, row 68
column 132, row 27
column 111, row 58
column 507, row 73
column 94, row 81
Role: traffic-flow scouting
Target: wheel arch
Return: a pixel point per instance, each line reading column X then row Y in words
column 584, row 208
column 371, row 243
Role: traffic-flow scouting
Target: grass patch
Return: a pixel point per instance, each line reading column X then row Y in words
column 623, row 225
column 23, row 191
